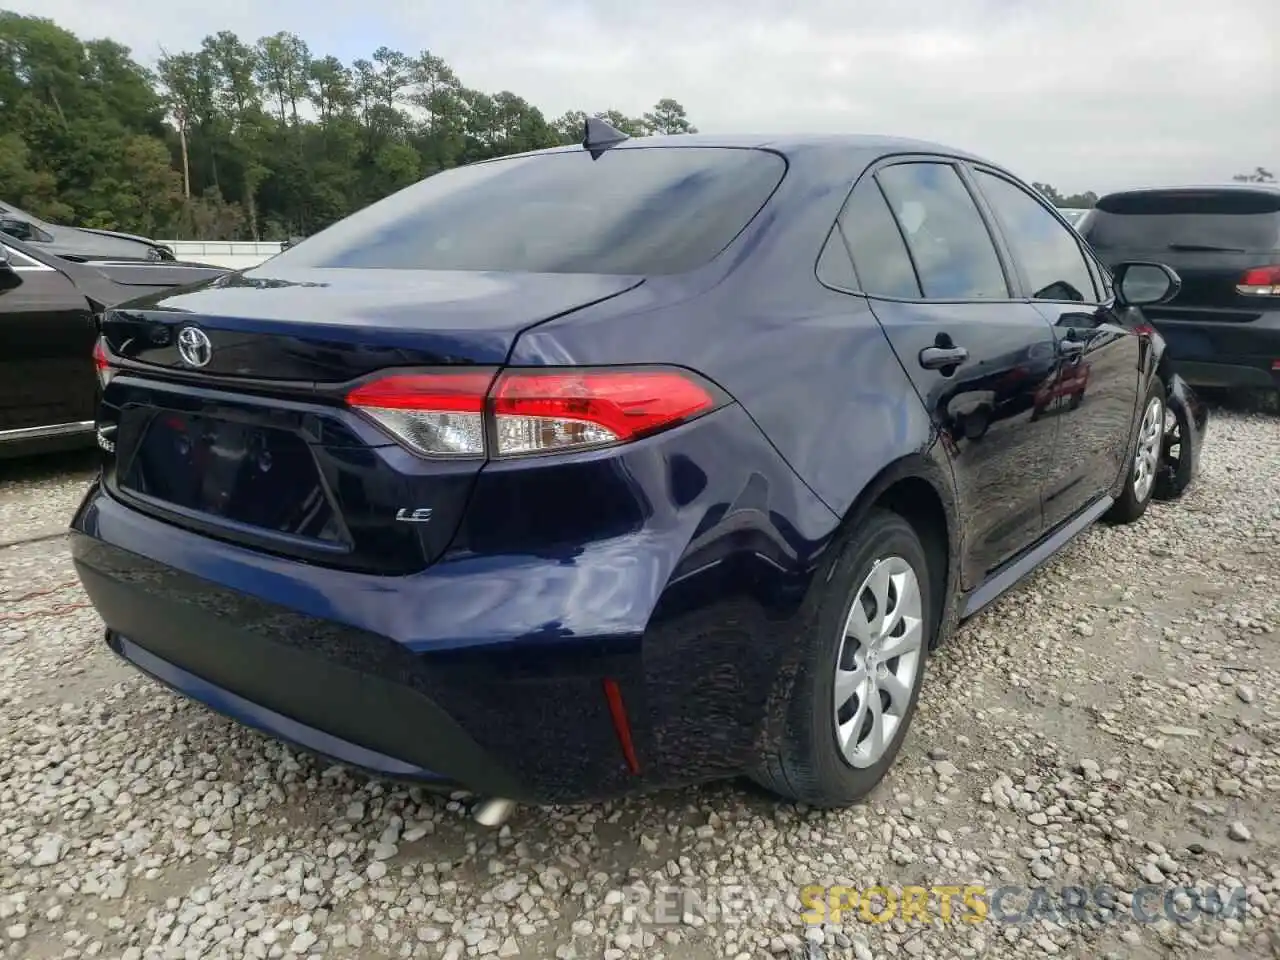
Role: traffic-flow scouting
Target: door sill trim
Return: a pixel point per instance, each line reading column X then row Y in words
column 1017, row 569
column 46, row 432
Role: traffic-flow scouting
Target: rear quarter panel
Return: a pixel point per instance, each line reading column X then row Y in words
column 811, row 366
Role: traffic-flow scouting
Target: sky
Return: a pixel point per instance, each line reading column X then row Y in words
column 1082, row 94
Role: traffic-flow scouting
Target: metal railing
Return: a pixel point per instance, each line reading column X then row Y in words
column 236, row 254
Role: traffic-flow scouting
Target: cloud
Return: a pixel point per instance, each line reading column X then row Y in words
column 1084, row 94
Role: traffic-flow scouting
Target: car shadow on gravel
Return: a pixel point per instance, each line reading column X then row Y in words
column 48, row 466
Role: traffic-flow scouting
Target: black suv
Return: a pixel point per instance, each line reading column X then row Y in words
column 1223, row 327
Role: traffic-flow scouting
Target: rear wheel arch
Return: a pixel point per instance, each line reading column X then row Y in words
column 919, row 489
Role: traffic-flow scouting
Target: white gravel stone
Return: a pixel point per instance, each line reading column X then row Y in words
column 137, row 825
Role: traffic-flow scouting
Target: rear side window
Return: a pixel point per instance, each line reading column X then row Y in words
column 879, row 255
column 631, row 211
column 949, row 241
column 1229, row 220
column 834, row 268
column 1049, row 252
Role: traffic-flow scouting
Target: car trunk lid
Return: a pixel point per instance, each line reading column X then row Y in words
column 256, row 445
column 330, row 325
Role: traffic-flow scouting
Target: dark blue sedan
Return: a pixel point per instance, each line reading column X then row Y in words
column 622, row 465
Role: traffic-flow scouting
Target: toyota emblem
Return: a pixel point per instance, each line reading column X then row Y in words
column 194, row 347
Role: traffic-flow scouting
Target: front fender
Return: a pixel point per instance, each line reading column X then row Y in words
column 1191, row 420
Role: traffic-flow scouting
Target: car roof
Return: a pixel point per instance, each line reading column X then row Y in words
column 786, row 144
column 794, row 141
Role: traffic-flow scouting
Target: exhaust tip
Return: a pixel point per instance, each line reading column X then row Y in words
column 493, row 812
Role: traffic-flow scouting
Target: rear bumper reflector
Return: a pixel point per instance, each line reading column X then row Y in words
column 621, row 725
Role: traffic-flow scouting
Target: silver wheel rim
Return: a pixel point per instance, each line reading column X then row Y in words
column 1147, row 457
column 878, row 661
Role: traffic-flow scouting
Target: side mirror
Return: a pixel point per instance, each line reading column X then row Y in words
column 1141, row 284
column 16, row 228
column 6, row 262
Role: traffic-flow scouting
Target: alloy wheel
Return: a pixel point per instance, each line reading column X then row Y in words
column 1150, row 443
column 878, row 662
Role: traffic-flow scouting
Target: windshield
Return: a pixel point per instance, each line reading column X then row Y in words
column 635, row 210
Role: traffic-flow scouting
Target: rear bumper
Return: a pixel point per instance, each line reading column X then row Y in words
column 448, row 740
column 32, row 441
column 489, row 671
column 1255, row 372
column 529, row 721
column 1219, row 353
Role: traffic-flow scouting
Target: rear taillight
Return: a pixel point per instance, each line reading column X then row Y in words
column 435, row 414
column 524, row 412
column 102, row 363
column 1260, row 282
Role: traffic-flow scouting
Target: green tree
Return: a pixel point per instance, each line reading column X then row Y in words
column 245, row 139
column 620, row 121
column 1080, row 201
column 1259, row 175
column 668, row 116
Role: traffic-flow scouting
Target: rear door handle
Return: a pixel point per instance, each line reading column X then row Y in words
column 935, row 358
column 1070, row 348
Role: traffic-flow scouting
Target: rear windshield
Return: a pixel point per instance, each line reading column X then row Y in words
column 1228, row 220
column 634, row 210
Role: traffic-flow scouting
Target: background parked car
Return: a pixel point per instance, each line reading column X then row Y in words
column 1073, row 215
column 78, row 243
column 48, row 325
column 1223, row 327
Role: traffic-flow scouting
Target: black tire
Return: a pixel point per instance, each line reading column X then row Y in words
column 1132, row 504
column 804, row 762
column 1174, row 475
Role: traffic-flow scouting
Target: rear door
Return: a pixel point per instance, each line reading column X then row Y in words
column 47, row 330
column 977, row 356
column 1213, row 238
column 1093, row 399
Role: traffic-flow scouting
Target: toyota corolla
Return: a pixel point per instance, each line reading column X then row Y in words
column 621, row 465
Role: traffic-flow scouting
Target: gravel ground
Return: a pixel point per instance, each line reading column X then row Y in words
column 1116, row 721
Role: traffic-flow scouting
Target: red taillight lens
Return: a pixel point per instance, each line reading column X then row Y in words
column 434, row 414
column 1260, row 282
column 546, row 411
column 530, row 411
column 102, row 362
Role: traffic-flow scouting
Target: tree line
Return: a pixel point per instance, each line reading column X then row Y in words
column 1088, row 199
column 241, row 140
column 257, row 141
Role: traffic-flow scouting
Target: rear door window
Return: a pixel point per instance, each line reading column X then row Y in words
column 1224, row 220
column 1048, row 251
column 632, row 210
column 875, row 242
column 953, row 252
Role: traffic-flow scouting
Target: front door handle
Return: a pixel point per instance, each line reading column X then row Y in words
column 936, row 358
column 1070, row 348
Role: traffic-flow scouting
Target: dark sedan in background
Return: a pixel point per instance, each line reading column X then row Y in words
column 1223, row 327
column 78, row 243
column 48, row 324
